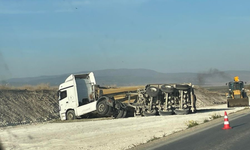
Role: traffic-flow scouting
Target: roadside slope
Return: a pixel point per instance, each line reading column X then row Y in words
column 23, row 106
column 208, row 98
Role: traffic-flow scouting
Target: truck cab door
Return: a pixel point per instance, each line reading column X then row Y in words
column 66, row 100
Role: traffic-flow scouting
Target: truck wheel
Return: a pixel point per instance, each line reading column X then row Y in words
column 70, row 115
column 167, row 88
column 182, row 87
column 152, row 91
column 102, row 108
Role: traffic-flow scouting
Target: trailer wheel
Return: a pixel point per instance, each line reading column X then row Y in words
column 167, row 88
column 109, row 112
column 182, row 112
column 102, row 108
column 124, row 113
column 119, row 113
column 182, row 87
column 165, row 113
column 70, row 115
column 194, row 104
column 152, row 91
column 150, row 113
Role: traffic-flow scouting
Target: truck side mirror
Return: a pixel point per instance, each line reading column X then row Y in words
column 226, row 83
column 245, row 82
column 58, row 94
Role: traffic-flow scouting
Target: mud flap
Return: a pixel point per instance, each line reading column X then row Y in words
column 237, row 102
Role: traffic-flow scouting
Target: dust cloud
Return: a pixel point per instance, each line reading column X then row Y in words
column 210, row 74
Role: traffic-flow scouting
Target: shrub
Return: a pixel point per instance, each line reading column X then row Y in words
column 153, row 138
column 215, row 116
column 191, row 123
column 206, row 120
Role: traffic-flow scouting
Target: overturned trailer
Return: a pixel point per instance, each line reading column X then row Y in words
column 163, row 99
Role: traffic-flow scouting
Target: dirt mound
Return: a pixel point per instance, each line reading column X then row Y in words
column 23, row 106
column 207, row 98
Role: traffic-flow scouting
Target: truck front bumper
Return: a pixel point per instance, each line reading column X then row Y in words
column 63, row 116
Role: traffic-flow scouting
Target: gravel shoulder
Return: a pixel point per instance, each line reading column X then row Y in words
column 102, row 134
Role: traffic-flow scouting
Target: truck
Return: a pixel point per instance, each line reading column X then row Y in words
column 164, row 99
column 237, row 96
column 80, row 95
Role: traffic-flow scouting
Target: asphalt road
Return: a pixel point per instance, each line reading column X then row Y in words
column 210, row 136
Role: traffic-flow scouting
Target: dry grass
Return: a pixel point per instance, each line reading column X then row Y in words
column 215, row 116
column 39, row 87
column 153, row 139
column 191, row 123
column 205, row 120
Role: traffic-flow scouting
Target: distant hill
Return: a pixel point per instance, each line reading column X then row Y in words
column 130, row 77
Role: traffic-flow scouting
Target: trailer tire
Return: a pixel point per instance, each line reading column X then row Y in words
column 124, row 114
column 182, row 87
column 109, row 112
column 152, row 91
column 182, row 112
column 150, row 113
column 119, row 113
column 102, row 108
column 165, row 113
column 167, row 88
column 194, row 104
column 70, row 115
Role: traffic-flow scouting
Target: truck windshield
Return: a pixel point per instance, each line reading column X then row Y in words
column 84, row 90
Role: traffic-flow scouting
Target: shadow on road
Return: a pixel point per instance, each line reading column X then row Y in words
column 1, row 146
column 238, row 125
column 210, row 110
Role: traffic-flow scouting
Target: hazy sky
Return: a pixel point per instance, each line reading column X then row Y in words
column 46, row 37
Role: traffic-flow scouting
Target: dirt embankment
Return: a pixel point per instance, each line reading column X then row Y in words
column 208, row 98
column 24, row 106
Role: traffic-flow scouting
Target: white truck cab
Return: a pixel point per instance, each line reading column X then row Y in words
column 77, row 96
